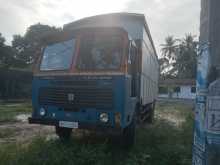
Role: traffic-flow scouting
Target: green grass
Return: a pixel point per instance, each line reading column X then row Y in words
column 7, row 132
column 162, row 143
column 8, row 111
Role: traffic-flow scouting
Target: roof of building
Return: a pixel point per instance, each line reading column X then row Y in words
column 177, row 82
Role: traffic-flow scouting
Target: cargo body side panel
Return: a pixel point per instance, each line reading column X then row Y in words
column 149, row 72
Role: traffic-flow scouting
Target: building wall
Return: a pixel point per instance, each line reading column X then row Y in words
column 163, row 95
column 185, row 93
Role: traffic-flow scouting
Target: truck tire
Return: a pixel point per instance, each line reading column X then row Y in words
column 151, row 114
column 63, row 133
column 138, row 115
column 128, row 135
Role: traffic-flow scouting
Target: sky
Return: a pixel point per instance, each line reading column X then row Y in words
column 164, row 17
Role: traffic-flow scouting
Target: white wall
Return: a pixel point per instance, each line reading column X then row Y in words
column 185, row 93
column 163, row 95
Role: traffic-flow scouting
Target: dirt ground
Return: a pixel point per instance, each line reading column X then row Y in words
column 21, row 131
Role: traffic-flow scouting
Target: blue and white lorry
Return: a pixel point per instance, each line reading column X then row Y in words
column 99, row 73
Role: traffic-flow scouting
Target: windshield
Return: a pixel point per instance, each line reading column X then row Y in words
column 100, row 53
column 58, row 56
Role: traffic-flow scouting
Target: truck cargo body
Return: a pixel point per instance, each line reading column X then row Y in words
column 104, row 73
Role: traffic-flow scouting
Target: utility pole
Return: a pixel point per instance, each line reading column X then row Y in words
column 206, row 147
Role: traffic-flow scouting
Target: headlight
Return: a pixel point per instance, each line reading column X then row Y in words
column 104, row 117
column 42, row 112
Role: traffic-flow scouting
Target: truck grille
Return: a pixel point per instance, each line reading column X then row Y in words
column 77, row 97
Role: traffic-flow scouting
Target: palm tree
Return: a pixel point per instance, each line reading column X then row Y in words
column 164, row 63
column 186, row 57
column 169, row 48
column 168, row 56
column 179, row 57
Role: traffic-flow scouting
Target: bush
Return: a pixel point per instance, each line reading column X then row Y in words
column 15, row 84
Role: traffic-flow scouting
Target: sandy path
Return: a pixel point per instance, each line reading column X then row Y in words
column 22, row 131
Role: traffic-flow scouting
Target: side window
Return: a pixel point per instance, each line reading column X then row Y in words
column 132, row 59
column 133, row 55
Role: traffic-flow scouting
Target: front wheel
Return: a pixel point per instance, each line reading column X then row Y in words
column 128, row 135
column 63, row 133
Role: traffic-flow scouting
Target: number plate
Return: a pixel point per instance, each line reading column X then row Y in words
column 68, row 124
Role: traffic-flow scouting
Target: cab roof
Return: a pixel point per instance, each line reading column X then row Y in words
column 133, row 23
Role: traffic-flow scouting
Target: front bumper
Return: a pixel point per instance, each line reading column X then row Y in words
column 82, row 125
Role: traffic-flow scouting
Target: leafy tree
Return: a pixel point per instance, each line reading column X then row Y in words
column 2, row 40
column 163, row 63
column 186, row 59
column 179, row 57
column 169, row 48
column 26, row 46
column 7, row 59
